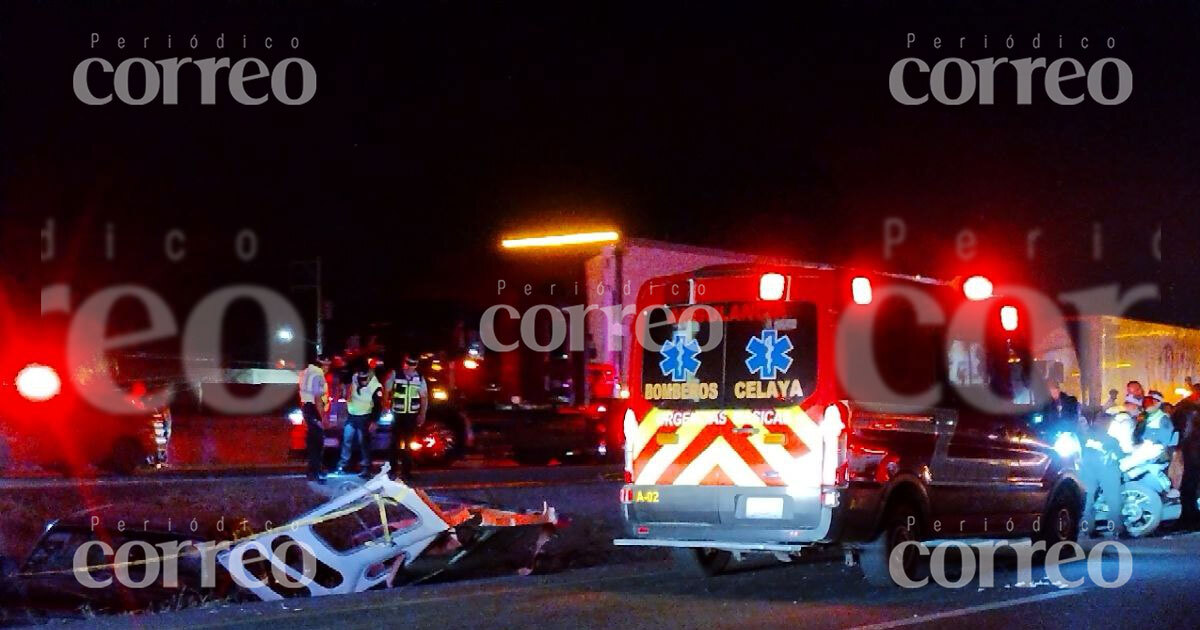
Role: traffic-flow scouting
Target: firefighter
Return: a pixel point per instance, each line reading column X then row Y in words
column 410, row 401
column 313, row 395
column 365, row 396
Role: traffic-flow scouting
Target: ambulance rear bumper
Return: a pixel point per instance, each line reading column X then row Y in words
column 721, row 517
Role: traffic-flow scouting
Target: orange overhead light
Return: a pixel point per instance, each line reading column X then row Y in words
column 560, row 240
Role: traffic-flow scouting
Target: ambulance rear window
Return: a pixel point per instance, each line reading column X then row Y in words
column 749, row 359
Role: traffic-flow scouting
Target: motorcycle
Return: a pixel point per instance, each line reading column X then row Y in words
column 1149, row 499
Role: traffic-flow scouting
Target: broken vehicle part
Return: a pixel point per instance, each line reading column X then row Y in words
column 364, row 538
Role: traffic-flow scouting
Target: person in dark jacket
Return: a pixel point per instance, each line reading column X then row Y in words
column 1061, row 411
column 1187, row 419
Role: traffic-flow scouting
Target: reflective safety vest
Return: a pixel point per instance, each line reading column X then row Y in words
column 406, row 394
column 362, row 397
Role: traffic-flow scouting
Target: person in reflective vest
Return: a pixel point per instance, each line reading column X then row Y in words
column 365, row 394
column 410, row 399
column 313, row 396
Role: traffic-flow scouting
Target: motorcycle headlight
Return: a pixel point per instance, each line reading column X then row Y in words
column 297, row 417
column 1066, row 445
column 385, row 418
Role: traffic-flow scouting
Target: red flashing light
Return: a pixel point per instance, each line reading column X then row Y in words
column 1008, row 318
column 38, row 382
column 860, row 289
column 977, row 288
column 770, row 286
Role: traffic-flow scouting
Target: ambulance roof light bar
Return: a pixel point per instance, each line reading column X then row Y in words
column 860, row 290
column 977, row 288
column 771, row 286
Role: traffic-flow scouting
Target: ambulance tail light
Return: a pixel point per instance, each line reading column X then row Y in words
column 771, row 286
column 860, row 290
column 977, row 288
column 1008, row 318
column 630, row 427
column 834, row 424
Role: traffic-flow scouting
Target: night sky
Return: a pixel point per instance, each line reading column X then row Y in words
column 438, row 127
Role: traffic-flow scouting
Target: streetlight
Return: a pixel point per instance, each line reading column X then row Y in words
column 285, row 334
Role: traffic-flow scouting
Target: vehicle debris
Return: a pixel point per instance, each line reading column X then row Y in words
column 370, row 536
column 377, row 534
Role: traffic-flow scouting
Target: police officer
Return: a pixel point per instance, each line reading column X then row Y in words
column 410, row 400
column 1157, row 426
column 365, row 394
column 1099, row 470
column 312, row 405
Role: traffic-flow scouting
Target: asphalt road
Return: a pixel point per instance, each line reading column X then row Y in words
column 1160, row 592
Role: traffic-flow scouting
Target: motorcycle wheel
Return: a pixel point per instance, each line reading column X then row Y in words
column 1142, row 510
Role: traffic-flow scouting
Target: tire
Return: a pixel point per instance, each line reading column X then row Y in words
column 1148, row 507
column 875, row 558
column 699, row 563
column 1060, row 523
column 125, row 457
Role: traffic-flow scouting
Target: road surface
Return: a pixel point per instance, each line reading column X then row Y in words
column 1160, row 593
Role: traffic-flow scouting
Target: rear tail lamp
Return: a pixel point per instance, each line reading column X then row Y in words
column 1008, row 318
column 630, row 427
column 833, row 432
column 770, row 286
column 860, row 290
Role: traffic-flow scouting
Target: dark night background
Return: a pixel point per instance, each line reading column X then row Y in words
column 437, row 127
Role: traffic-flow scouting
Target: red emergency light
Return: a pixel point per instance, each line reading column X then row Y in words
column 38, row 382
column 1008, row 318
column 977, row 288
column 860, row 290
column 770, row 286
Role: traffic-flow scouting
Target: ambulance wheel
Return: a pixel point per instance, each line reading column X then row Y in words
column 703, row 562
column 875, row 557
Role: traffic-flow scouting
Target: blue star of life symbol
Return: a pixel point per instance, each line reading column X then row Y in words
column 769, row 354
column 679, row 357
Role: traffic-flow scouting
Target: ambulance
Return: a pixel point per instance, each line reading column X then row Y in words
column 777, row 409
